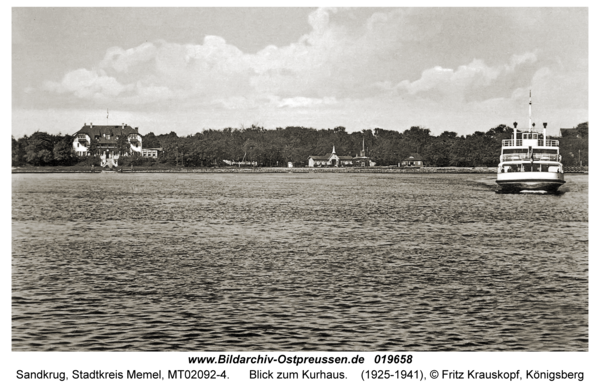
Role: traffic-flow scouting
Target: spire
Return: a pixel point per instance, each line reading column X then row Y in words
column 333, row 152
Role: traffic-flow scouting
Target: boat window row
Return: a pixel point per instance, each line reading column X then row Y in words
column 514, row 151
column 530, row 167
column 535, row 157
column 525, row 151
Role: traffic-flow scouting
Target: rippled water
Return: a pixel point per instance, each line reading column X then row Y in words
column 296, row 262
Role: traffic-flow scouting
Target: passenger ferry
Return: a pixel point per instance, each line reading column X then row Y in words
column 529, row 161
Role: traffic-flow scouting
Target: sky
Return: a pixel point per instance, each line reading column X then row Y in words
column 189, row 69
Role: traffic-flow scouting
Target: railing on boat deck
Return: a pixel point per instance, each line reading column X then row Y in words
column 545, row 157
column 511, row 142
column 525, row 157
column 519, row 142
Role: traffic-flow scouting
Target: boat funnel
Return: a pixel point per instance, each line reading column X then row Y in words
column 544, row 124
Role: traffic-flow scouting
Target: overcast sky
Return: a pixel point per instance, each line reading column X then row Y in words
column 184, row 70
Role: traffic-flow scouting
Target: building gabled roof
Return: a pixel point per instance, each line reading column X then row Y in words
column 328, row 157
column 413, row 157
column 113, row 130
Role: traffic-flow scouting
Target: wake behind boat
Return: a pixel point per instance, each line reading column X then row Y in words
column 529, row 161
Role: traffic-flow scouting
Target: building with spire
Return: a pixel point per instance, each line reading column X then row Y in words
column 361, row 160
column 329, row 159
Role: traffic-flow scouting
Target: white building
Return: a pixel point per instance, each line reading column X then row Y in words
column 329, row 159
column 413, row 160
column 106, row 138
column 152, row 152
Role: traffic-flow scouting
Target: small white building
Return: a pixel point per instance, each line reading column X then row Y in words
column 413, row 160
column 152, row 152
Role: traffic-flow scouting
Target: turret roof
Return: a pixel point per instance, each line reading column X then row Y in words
column 113, row 130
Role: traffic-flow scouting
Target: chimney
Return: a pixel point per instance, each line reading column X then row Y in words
column 84, row 124
column 91, row 125
column 123, row 125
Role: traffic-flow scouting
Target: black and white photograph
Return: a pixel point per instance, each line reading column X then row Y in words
column 396, row 184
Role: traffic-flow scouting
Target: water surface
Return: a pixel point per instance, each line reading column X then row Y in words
column 331, row 262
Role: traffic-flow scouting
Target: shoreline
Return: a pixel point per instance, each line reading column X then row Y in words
column 259, row 170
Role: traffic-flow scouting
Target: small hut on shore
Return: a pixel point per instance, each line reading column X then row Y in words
column 413, row 160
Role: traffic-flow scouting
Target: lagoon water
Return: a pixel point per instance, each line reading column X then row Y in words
column 270, row 262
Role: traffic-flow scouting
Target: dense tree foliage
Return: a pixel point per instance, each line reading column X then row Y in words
column 63, row 151
column 574, row 148
column 295, row 144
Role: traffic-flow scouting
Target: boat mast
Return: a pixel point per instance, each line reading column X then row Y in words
column 529, row 110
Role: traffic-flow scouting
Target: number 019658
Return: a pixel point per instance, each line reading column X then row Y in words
column 393, row 358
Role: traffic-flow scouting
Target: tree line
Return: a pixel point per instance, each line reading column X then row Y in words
column 295, row 144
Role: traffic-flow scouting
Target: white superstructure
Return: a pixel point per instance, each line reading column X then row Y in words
column 530, row 161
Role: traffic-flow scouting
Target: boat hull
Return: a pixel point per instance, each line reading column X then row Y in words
column 534, row 181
